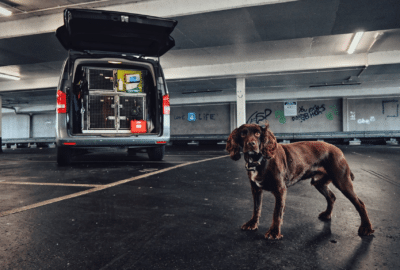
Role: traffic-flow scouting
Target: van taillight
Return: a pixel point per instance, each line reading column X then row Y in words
column 61, row 102
column 166, row 107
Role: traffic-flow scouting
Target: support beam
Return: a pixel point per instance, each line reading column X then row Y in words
column 345, row 114
column 370, row 90
column 241, row 101
column 232, row 116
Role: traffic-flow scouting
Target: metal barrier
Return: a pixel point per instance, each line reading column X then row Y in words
column 50, row 141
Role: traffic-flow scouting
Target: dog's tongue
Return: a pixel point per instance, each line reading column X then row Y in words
column 252, row 156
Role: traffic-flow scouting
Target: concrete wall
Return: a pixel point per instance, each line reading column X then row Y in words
column 312, row 116
column 15, row 126
column 209, row 119
column 373, row 114
column 23, row 126
column 43, row 125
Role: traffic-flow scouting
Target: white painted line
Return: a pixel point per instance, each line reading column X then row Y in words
column 49, row 184
column 98, row 188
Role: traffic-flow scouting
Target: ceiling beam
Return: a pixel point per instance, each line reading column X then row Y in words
column 281, row 65
column 375, row 89
column 160, row 8
column 243, row 69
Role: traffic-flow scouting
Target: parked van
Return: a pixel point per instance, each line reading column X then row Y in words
column 112, row 91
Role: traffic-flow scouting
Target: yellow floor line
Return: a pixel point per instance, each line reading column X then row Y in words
column 102, row 187
column 49, row 184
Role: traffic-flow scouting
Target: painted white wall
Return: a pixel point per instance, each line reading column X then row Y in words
column 15, row 126
column 43, row 125
column 374, row 114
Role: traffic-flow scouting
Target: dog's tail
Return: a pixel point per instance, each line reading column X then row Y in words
column 352, row 176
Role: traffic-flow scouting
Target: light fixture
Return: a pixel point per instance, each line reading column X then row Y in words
column 10, row 77
column 5, row 12
column 356, row 39
column 114, row 62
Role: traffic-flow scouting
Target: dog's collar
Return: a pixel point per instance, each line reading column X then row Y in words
column 252, row 165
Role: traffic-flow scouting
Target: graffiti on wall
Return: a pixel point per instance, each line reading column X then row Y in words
column 352, row 115
column 333, row 111
column 366, row 121
column 258, row 117
column 393, row 113
column 305, row 114
column 196, row 116
column 281, row 116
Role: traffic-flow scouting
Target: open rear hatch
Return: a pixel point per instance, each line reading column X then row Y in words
column 96, row 30
column 118, row 97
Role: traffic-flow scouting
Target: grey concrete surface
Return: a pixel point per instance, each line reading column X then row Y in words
column 186, row 217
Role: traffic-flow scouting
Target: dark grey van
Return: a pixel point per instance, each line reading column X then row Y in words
column 112, row 91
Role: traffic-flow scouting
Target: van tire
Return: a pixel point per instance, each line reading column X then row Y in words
column 64, row 156
column 156, row 153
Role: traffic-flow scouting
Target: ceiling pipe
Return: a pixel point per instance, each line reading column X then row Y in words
column 362, row 71
column 15, row 110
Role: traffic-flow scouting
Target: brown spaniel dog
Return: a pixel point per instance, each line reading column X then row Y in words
column 274, row 167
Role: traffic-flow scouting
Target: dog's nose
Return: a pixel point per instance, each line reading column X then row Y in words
column 252, row 143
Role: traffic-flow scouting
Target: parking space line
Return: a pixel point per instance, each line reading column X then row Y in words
column 102, row 187
column 49, row 184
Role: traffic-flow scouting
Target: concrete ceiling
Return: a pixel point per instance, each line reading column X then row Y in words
column 276, row 45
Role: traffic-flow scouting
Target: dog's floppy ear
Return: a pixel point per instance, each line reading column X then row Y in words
column 232, row 144
column 269, row 143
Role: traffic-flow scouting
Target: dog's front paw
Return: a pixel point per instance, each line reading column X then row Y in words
column 325, row 216
column 365, row 230
column 273, row 233
column 251, row 225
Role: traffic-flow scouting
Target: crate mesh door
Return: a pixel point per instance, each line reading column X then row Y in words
column 132, row 108
column 101, row 112
column 101, row 79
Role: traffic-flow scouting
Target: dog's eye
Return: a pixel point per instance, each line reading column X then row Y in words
column 243, row 133
column 258, row 134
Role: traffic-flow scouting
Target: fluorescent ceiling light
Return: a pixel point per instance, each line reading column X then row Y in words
column 5, row 76
column 356, row 39
column 5, row 12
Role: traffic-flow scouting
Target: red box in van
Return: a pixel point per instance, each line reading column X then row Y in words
column 138, row 126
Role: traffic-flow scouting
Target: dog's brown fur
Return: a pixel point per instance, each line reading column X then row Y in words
column 284, row 165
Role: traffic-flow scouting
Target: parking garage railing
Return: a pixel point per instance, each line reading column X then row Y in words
column 50, row 141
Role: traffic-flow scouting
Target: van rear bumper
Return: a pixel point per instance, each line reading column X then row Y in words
column 108, row 140
column 92, row 141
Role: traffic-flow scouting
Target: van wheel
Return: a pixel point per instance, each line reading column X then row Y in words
column 156, row 153
column 64, row 156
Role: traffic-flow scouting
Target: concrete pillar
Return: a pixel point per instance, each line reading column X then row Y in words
column 233, row 122
column 30, row 125
column 345, row 114
column 240, row 101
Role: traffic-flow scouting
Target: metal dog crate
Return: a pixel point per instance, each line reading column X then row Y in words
column 100, row 78
column 104, row 110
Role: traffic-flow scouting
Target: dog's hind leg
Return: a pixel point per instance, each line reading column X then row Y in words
column 322, row 186
column 346, row 187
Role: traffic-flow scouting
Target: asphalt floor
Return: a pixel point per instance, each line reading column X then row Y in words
column 109, row 210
